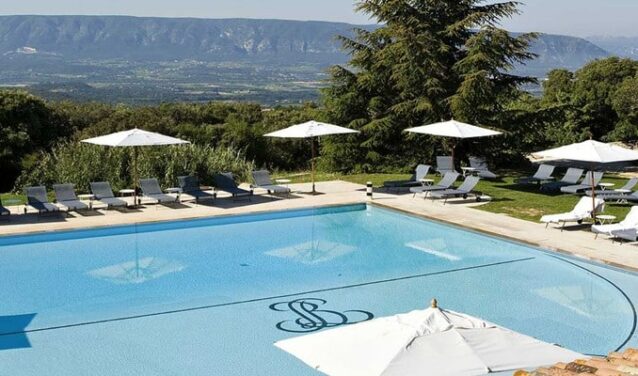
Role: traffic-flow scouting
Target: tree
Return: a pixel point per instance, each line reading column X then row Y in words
column 625, row 104
column 431, row 60
column 27, row 124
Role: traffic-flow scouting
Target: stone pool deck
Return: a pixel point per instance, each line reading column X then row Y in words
column 577, row 240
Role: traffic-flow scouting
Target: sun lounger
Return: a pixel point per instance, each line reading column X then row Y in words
column 626, row 229
column 415, row 180
column 581, row 211
column 464, row 190
column 67, row 199
column 445, row 183
column 584, row 184
column 4, row 212
column 190, row 186
column 621, row 197
column 543, row 174
column 444, row 164
column 262, row 180
column 37, row 199
column 226, row 183
column 572, row 176
column 624, row 190
column 480, row 166
column 151, row 191
column 104, row 195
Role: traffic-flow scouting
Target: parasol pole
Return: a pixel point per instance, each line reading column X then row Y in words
column 135, row 178
column 312, row 162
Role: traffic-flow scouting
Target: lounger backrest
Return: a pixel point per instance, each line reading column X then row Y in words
column 444, row 163
column 448, row 179
column 544, row 171
column 225, row 180
column 572, row 175
column 421, row 171
column 150, row 186
column 64, row 192
column 36, row 195
column 598, row 176
column 262, row 178
column 101, row 189
column 584, row 206
column 630, row 184
column 632, row 217
column 469, row 184
column 188, row 183
column 478, row 163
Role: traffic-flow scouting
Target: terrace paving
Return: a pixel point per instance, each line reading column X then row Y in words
column 575, row 240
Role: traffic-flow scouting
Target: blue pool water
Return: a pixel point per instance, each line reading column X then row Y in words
column 209, row 297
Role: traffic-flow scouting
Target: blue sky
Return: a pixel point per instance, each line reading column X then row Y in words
column 572, row 17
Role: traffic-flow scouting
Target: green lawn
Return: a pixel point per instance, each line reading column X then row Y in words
column 525, row 202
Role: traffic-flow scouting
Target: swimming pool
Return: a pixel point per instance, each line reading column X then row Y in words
column 210, row 296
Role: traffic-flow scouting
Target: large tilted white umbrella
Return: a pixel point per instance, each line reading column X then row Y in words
column 311, row 129
column 592, row 152
column 135, row 138
column 433, row 341
column 454, row 129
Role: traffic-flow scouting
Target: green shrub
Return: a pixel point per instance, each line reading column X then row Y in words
column 81, row 164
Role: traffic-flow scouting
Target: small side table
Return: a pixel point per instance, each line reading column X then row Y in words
column 127, row 192
column 175, row 190
column 605, row 186
column 283, row 181
column 426, row 182
column 468, row 171
column 88, row 197
column 606, row 219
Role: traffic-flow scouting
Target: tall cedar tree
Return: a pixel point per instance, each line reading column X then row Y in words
column 431, row 60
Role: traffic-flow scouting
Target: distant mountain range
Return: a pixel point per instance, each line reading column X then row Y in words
column 104, row 50
column 621, row 46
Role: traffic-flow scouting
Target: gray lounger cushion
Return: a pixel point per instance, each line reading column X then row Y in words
column 37, row 199
column 151, row 190
column 66, row 197
column 262, row 180
column 104, row 194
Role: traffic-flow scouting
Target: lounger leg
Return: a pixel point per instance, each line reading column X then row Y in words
column 547, row 225
column 562, row 227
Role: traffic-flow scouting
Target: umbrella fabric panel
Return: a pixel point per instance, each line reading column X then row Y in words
column 310, row 129
column 589, row 151
column 454, row 129
column 135, row 137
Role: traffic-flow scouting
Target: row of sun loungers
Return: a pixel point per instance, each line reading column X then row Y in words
column 67, row 199
column 444, row 167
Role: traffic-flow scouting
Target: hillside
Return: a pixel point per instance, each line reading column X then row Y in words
column 140, row 60
column 621, row 46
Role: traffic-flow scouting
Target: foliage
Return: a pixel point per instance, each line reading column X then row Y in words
column 431, row 60
column 81, row 164
column 27, row 124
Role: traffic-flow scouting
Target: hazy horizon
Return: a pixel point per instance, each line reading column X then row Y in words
column 581, row 18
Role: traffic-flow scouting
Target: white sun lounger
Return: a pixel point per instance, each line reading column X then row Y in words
column 481, row 168
column 444, row 164
column 104, row 195
column 262, row 180
column 464, row 190
column 624, row 190
column 67, row 199
column 585, row 184
column 626, row 229
column 543, row 174
column 581, row 211
column 445, row 183
column 152, row 191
